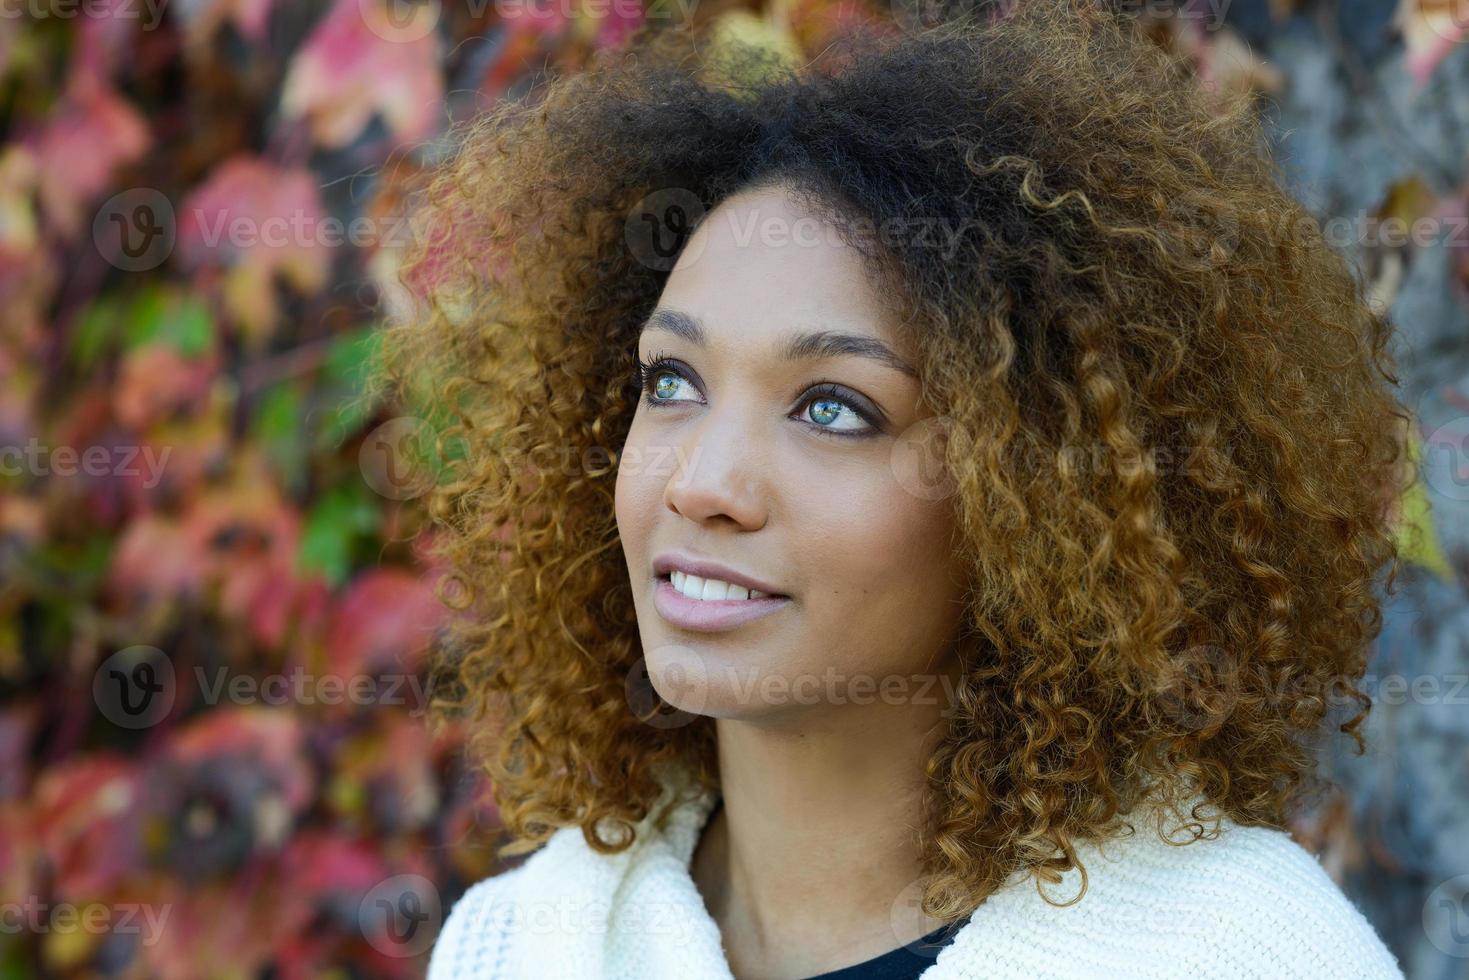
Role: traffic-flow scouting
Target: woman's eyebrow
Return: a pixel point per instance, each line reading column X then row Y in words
column 801, row 346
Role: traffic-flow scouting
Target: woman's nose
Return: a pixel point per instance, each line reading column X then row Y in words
column 719, row 473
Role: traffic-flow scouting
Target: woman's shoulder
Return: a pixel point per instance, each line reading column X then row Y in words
column 578, row 908
column 559, row 893
column 1268, row 902
column 470, row 943
column 1248, row 902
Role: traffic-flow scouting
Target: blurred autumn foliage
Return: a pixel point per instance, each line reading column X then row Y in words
column 214, row 602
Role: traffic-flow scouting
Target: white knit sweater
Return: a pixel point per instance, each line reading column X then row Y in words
column 1251, row 903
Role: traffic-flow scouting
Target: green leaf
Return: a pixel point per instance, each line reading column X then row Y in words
column 278, row 430
column 166, row 315
column 190, row 328
column 350, row 360
column 96, row 332
column 352, row 355
column 338, row 520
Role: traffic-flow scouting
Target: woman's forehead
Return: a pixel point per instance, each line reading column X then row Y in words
column 758, row 267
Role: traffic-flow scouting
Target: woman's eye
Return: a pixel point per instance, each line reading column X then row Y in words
column 664, row 385
column 835, row 415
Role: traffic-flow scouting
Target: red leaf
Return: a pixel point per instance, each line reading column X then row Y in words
column 92, row 133
column 85, row 813
column 384, row 622
column 258, row 221
column 359, row 62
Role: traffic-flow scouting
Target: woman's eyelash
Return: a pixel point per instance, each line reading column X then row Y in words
column 660, row 363
column 643, row 373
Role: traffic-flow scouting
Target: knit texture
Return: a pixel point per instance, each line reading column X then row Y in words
column 1251, row 903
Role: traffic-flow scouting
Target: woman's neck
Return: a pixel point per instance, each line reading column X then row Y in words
column 811, row 861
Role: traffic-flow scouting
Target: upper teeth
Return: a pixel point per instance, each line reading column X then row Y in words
column 711, row 588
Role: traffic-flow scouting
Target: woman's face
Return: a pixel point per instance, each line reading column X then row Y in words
column 771, row 442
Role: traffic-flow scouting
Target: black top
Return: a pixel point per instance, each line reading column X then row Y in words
column 903, row 963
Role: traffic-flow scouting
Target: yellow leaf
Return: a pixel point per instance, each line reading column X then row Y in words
column 67, row 946
column 1416, row 537
column 741, row 28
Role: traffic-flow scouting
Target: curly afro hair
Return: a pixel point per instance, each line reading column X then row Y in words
column 1172, row 432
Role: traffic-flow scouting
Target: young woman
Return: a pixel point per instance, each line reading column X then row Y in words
column 914, row 514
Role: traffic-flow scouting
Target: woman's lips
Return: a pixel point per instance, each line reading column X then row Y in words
column 711, row 615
